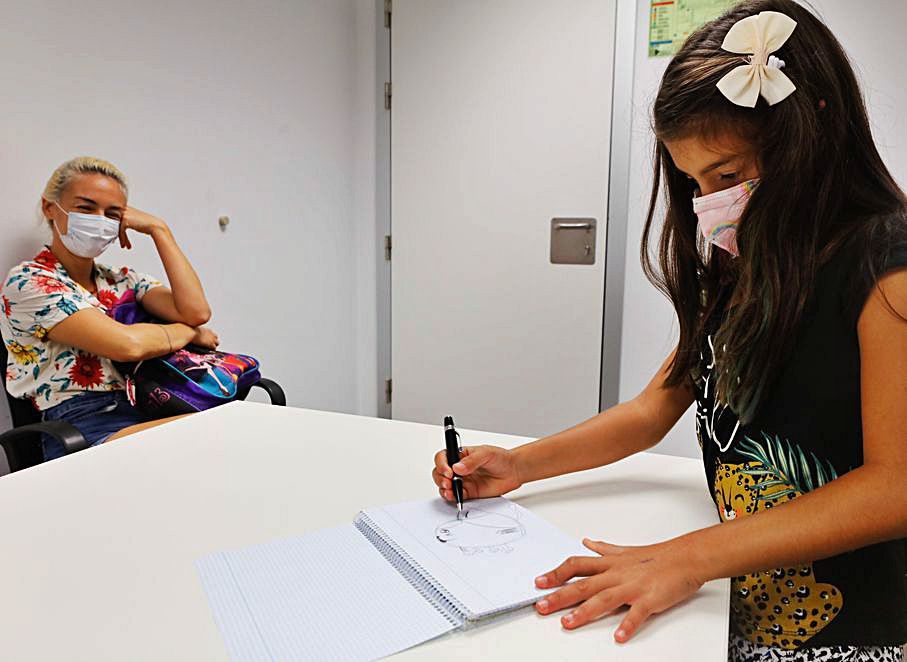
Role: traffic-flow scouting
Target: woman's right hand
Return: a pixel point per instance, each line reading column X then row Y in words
column 205, row 337
column 487, row 471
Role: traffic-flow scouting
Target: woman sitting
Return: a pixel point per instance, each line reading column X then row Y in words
column 56, row 321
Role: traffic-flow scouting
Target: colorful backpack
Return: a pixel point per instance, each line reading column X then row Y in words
column 189, row 380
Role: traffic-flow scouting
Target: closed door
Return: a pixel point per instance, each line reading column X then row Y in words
column 500, row 123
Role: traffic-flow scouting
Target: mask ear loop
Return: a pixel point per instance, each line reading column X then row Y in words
column 54, row 223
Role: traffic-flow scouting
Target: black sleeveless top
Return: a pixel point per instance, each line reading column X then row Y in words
column 807, row 432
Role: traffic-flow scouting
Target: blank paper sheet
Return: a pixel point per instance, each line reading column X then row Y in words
column 328, row 595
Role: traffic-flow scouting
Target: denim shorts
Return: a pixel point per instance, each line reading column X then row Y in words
column 97, row 415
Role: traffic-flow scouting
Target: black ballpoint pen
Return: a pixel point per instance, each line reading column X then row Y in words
column 452, row 442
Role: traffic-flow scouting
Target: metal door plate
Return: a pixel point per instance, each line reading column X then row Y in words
column 573, row 240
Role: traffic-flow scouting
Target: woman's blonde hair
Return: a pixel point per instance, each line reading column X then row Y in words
column 81, row 165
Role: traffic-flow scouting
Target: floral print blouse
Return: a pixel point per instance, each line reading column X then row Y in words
column 36, row 296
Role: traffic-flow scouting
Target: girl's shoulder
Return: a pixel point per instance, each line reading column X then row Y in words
column 852, row 269
column 877, row 240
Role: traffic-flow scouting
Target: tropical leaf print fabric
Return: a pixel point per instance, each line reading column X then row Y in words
column 782, row 607
column 36, row 296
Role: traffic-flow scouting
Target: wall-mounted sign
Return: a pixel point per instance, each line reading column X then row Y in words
column 672, row 21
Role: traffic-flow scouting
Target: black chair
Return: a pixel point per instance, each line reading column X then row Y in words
column 22, row 444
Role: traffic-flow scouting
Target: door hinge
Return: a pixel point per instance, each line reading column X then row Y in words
column 388, row 390
column 388, row 7
column 387, row 247
column 387, row 96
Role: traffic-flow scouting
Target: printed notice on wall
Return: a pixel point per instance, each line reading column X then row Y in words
column 672, row 21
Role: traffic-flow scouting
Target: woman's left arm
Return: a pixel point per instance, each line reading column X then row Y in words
column 865, row 506
column 185, row 300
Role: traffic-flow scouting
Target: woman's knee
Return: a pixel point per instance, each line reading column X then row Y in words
column 141, row 427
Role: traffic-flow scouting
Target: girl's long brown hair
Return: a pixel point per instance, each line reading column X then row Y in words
column 823, row 187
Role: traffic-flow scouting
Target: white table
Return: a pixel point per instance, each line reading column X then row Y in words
column 98, row 547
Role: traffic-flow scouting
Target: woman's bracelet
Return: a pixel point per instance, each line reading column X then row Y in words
column 167, row 334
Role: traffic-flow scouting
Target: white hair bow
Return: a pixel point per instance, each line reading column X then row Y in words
column 759, row 35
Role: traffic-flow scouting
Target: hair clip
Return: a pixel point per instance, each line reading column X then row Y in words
column 759, row 35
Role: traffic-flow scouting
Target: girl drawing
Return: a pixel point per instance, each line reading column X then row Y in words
column 477, row 531
column 783, row 247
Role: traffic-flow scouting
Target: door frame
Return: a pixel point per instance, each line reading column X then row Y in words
column 383, row 205
column 618, row 199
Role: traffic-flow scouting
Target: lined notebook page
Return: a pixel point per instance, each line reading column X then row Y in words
column 328, row 595
column 489, row 559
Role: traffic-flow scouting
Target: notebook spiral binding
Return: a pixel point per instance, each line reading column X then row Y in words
column 421, row 580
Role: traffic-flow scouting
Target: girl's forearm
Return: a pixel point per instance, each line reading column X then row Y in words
column 188, row 294
column 607, row 437
column 865, row 506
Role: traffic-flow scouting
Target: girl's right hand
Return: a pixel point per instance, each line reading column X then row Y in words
column 487, row 471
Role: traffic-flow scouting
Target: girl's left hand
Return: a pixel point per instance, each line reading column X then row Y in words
column 140, row 221
column 650, row 579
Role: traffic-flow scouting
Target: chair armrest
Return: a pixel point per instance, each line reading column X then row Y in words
column 66, row 434
column 71, row 439
column 274, row 391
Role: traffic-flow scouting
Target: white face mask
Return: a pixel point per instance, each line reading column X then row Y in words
column 88, row 235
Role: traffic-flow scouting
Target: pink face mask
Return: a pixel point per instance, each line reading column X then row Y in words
column 719, row 214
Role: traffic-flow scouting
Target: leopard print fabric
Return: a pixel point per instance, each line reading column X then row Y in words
column 742, row 650
column 781, row 607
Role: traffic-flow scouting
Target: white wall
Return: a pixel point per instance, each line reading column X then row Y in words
column 265, row 112
column 867, row 31
column 261, row 111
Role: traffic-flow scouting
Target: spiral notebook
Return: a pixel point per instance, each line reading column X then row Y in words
column 398, row 576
